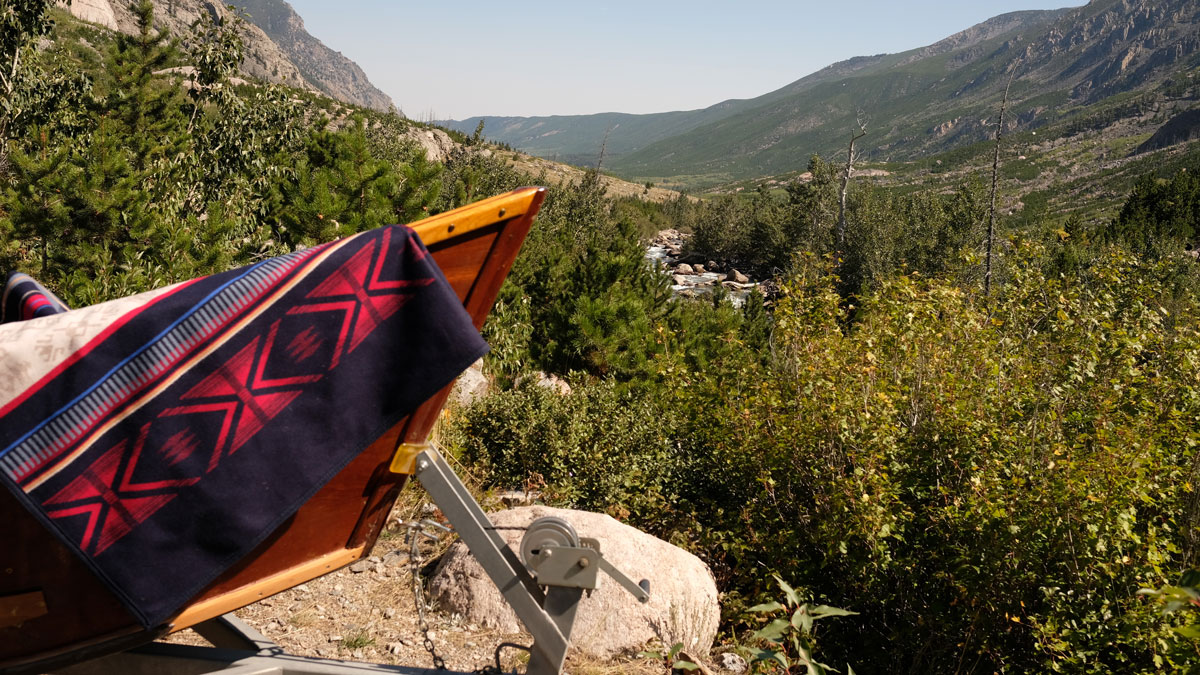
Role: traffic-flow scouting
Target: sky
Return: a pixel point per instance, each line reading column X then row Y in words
column 461, row 58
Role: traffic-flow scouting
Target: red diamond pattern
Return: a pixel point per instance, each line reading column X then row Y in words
column 106, row 494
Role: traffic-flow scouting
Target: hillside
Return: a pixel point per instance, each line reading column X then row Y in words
column 1103, row 61
column 278, row 49
column 1069, row 64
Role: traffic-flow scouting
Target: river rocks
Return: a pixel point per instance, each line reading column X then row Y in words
column 693, row 275
column 671, row 240
column 737, row 277
column 683, row 604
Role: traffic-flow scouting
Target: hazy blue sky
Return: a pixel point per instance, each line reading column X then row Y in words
column 465, row 58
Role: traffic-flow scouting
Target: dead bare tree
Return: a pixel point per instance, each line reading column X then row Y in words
column 603, row 147
column 862, row 122
column 991, row 234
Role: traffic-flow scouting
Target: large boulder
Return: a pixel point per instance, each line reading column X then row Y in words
column 683, row 605
column 470, row 386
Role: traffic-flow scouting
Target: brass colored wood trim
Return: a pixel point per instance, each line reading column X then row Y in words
column 21, row 607
column 266, row 587
column 474, row 216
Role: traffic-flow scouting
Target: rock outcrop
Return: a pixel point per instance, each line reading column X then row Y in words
column 437, row 143
column 1179, row 129
column 99, row 12
column 324, row 68
column 683, row 604
column 278, row 49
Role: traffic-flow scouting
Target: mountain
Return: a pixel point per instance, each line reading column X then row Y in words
column 1070, row 64
column 327, row 70
column 578, row 138
column 278, row 49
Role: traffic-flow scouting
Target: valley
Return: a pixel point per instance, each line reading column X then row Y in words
column 958, row 425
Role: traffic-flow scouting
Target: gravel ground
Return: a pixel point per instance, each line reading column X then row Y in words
column 367, row 612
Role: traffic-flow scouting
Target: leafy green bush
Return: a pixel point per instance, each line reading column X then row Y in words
column 597, row 448
column 986, row 482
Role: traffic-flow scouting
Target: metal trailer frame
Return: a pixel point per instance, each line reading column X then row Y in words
column 544, row 590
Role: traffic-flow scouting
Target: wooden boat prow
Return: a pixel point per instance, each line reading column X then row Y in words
column 53, row 611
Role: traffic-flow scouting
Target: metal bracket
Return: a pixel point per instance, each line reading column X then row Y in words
column 565, row 570
column 405, row 459
column 548, row 618
column 238, row 650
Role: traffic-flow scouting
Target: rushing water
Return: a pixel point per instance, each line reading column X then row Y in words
column 694, row 284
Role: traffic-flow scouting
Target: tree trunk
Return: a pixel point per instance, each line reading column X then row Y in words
column 841, row 226
column 991, row 235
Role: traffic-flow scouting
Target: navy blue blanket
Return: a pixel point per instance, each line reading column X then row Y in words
column 182, row 433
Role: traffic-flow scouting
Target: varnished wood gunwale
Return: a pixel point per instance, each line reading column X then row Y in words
column 475, row 247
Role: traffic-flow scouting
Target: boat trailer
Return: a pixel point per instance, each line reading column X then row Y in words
column 543, row 583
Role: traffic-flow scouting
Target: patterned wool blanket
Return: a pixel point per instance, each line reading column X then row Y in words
column 23, row 299
column 163, row 436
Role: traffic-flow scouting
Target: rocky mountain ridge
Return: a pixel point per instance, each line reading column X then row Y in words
column 328, row 70
column 1071, row 66
column 278, row 49
column 1068, row 64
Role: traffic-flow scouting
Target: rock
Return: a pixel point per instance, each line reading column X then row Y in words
column 731, row 662
column 470, row 386
column 698, row 269
column 684, row 268
column 712, row 266
column 683, row 605
column 681, row 280
column 360, row 567
column 395, row 647
column 737, row 277
column 436, row 143
column 95, row 11
column 328, row 70
column 552, row 382
column 513, row 498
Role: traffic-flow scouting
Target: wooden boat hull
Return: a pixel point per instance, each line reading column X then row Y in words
column 53, row 611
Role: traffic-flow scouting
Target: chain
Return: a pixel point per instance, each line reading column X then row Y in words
column 417, row 530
